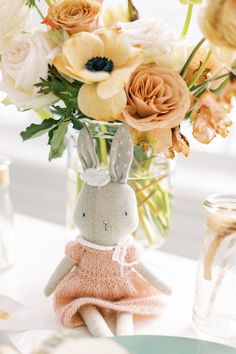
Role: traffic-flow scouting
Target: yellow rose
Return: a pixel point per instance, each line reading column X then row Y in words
column 218, row 24
column 74, row 15
column 104, row 61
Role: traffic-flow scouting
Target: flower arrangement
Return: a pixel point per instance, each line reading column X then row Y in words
column 86, row 62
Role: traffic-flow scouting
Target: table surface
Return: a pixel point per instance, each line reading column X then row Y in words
column 39, row 248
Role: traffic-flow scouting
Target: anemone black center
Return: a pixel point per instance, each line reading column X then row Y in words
column 100, row 64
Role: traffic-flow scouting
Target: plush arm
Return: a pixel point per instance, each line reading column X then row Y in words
column 147, row 273
column 63, row 268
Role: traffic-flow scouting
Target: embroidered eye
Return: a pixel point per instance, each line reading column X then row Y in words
column 126, row 213
column 83, row 214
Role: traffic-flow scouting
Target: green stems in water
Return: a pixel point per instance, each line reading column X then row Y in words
column 103, row 153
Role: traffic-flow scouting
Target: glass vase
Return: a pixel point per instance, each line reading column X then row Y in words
column 214, row 313
column 150, row 177
column 7, row 251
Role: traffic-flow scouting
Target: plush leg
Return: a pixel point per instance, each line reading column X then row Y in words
column 124, row 324
column 96, row 324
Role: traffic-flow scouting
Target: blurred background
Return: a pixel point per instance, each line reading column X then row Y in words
column 38, row 187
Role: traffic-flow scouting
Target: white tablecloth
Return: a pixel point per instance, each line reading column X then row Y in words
column 40, row 246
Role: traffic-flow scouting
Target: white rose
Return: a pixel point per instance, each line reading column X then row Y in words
column 14, row 18
column 158, row 42
column 23, row 63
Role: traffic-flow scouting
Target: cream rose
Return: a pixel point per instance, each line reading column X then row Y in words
column 14, row 18
column 23, row 64
column 158, row 100
column 157, row 40
column 74, row 15
column 218, row 24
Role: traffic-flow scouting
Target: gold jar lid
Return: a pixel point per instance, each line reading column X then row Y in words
column 4, row 171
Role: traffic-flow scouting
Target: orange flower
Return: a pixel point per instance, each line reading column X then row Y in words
column 180, row 144
column 210, row 118
column 214, row 67
column 230, row 91
column 158, row 100
column 159, row 139
column 74, row 15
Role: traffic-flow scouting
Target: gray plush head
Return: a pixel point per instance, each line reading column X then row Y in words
column 107, row 214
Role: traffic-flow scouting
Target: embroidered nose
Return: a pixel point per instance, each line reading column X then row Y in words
column 105, row 224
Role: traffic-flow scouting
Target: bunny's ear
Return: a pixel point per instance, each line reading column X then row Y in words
column 86, row 150
column 121, row 155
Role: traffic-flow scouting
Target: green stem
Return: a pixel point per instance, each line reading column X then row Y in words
column 103, row 151
column 200, row 71
column 221, row 87
column 103, row 148
column 187, row 21
column 205, row 83
column 48, row 2
column 145, row 223
column 39, row 11
column 191, row 56
column 199, row 92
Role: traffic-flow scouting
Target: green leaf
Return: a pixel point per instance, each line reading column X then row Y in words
column 44, row 113
column 57, row 140
column 7, row 101
column 31, row 3
column 35, row 130
column 77, row 124
column 65, row 89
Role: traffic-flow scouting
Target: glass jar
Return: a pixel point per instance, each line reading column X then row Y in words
column 150, row 176
column 6, row 217
column 214, row 313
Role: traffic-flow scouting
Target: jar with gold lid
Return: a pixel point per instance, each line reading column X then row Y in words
column 6, row 217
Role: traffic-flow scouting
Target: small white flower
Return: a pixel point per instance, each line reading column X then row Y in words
column 158, row 42
column 96, row 178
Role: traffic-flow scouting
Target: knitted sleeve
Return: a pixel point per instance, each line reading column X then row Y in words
column 133, row 253
column 74, row 251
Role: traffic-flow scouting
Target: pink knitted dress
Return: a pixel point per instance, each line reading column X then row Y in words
column 99, row 280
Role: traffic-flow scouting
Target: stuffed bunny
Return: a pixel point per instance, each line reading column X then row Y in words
column 102, row 271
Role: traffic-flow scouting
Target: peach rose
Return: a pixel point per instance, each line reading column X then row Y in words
column 74, row 15
column 157, row 100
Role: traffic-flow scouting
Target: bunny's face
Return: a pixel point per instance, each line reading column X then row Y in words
column 106, row 215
